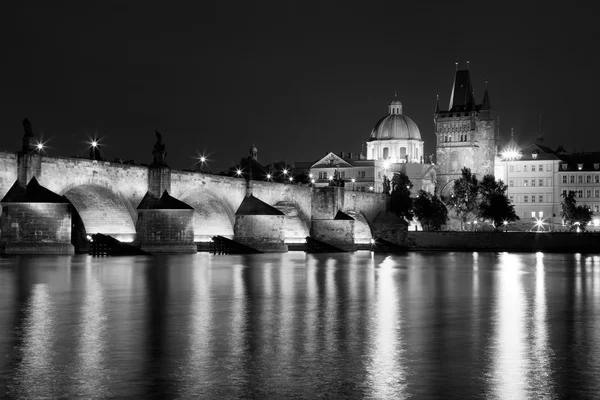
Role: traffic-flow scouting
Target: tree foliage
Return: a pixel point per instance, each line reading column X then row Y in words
column 430, row 211
column 401, row 202
column 464, row 199
column 485, row 200
column 494, row 205
column 573, row 215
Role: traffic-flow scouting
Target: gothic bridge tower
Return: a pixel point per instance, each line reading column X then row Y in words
column 467, row 134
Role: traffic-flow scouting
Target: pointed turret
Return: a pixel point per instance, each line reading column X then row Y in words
column 462, row 92
column 486, row 104
column 437, row 104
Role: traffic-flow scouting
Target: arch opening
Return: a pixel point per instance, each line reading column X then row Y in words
column 99, row 210
column 295, row 225
column 212, row 217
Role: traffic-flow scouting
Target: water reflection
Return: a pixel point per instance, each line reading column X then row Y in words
column 386, row 371
column 509, row 374
column 301, row 326
column 35, row 377
column 89, row 372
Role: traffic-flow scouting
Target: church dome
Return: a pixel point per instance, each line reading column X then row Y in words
column 395, row 125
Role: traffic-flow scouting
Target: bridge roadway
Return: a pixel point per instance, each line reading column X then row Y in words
column 106, row 195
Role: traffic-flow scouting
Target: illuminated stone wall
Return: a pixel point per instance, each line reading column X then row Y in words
column 339, row 233
column 36, row 228
column 166, row 231
column 261, row 232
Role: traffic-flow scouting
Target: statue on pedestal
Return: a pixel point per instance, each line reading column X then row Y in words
column 159, row 151
column 386, row 185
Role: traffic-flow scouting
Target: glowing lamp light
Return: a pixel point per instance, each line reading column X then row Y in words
column 94, row 143
column 291, row 179
column 505, row 222
column 330, row 177
column 40, row 146
column 238, row 172
column 353, row 180
column 202, row 159
column 386, row 165
column 371, row 188
column 268, row 176
column 312, row 181
column 285, row 171
column 310, row 176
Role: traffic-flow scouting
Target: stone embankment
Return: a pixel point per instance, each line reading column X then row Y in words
column 557, row 242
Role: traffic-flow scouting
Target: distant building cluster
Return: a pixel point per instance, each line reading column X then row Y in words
column 467, row 135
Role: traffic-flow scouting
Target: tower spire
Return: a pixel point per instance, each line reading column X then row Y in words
column 486, row 104
column 437, row 104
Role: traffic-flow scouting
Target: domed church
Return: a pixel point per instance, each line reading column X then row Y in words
column 395, row 138
column 394, row 145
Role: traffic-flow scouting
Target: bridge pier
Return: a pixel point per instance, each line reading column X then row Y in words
column 35, row 220
column 165, row 225
column 329, row 224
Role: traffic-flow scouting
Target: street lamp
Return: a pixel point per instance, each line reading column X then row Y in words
column 353, row 182
column 238, row 172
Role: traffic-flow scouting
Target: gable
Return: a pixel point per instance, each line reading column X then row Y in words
column 332, row 161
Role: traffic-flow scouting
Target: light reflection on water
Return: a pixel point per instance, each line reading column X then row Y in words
column 420, row 325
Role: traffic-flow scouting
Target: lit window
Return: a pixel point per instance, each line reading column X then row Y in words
column 580, row 166
column 534, row 155
column 533, row 214
column 548, row 167
column 541, row 213
column 518, row 167
column 564, row 166
column 525, row 182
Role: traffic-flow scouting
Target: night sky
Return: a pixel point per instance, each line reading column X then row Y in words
column 298, row 79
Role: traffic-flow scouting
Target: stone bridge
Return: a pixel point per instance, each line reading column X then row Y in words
column 105, row 196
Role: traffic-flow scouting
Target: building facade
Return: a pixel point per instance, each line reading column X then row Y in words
column 466, row 134
column 394, row 145
column 538, row 177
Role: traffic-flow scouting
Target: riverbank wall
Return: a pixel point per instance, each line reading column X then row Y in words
column 557, row 242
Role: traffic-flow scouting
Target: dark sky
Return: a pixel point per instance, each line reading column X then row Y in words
column 297, row 78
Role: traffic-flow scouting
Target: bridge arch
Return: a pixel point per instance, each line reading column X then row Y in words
column 102, row 211
column 212, row 216
column 362, row 229
column 296, row 224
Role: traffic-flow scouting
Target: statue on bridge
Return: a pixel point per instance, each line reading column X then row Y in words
column 29, row 143
column 159, row 151
column 386, row 185
column 337, row 180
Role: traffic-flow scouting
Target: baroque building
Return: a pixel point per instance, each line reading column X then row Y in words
column 394, row 145
column 467, row 134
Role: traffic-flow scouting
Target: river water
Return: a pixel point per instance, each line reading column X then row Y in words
column 420, row 325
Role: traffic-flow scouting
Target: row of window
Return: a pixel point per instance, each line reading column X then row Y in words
column 532, row 168
column 325, row 175
column 461, row 138
column 580, row 178
column 539, row 198
column 530, row 182
column 580, row 193
column 580, row 166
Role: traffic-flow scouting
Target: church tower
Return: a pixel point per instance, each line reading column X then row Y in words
column 466, row 134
